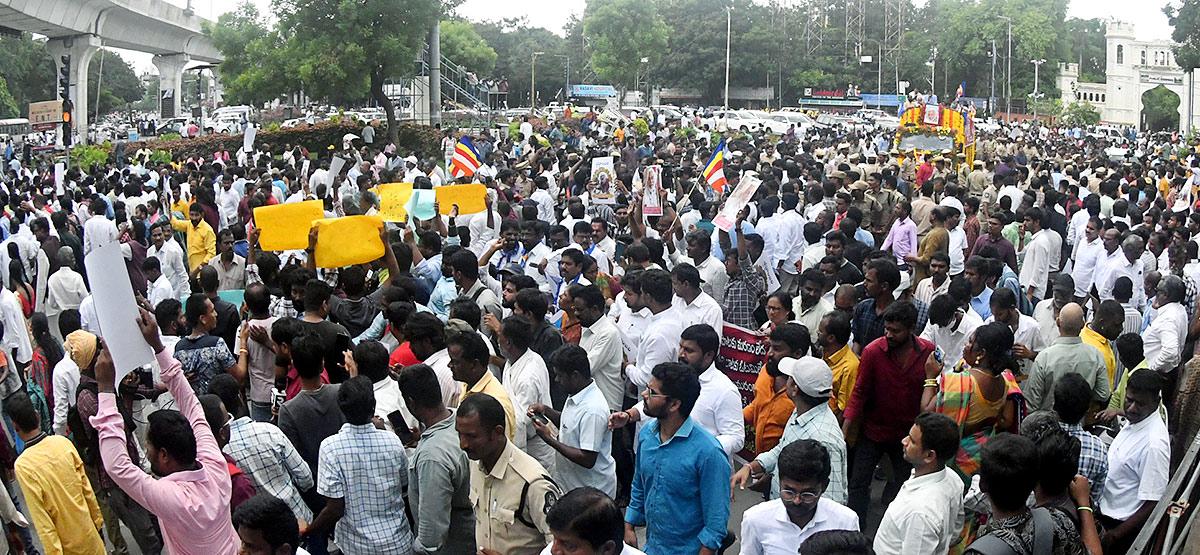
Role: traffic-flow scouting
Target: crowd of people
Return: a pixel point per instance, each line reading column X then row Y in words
column 1000, row 346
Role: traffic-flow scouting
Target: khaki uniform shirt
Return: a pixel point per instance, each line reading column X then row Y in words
column 977, row 182
column 908, row 170
column 496, row 496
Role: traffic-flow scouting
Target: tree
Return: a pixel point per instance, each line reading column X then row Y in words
column 1185, row 18
column 28, row 71
column 1085, row 45
column 514, row 42
column 114, row 80
column 462, row 45
column 256, row 68
column 1080, row 114
column 1160, row 109
column 623, row 32
column 347, row 48
column 8, row 106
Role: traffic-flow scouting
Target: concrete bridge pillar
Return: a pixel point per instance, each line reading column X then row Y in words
column 81, row 48
column 170, row 84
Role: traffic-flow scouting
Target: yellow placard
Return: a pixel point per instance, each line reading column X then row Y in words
column 469, row 198
column 348, row 240
column 284, row 227
column 392, row 198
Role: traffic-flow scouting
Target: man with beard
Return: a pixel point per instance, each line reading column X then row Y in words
column 718, row 409
column 781, row 525
column 809, row 386
column 681, row 485
column 925, row 517
column 770, row 409
column 886, row 399
column 809, row 307
column 170, row 255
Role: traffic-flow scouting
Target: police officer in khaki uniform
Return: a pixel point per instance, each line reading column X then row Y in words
column 510, row 491
column 977, row 180
column 908, row 167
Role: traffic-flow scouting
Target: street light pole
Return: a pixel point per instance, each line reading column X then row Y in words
column 728, row 40
column 1037, row 64
column 992, row 95
column 566, row 76
column 533, row 81
column 1008, row 74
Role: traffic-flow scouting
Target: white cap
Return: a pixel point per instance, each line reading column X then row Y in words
column 411, row 159
column 905, row 283
column 812, row 375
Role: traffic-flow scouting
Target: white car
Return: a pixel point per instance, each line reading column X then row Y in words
column 887, row 123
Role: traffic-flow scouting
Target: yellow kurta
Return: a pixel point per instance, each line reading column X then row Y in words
column 1100, row 342
column 844, row 364
column 490, row 385
column 60, row 498
column 201, row 241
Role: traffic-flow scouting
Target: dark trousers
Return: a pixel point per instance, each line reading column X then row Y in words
column 867, row 455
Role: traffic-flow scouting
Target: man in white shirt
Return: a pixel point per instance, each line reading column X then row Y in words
column 693, row 305
column 958, row 240
column 1087, row 254
column 227, row 202
column 1028, row 339
column 663, row 327
column 98, row 231
column 159, row 288
column 1164, row 338
column 170, row 257
column 528, row 383
column 583, row 440
column 718, row 409
column 602, row 342
column 1138, row 464
column 924, row 517
column 712, row 270
column 791, row 245
column 1038, row 256
column 950, row 326
column 780, row 525
column 1129, row 264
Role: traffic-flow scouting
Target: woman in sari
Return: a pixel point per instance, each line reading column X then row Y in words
column 779, row 311
column 982, row 396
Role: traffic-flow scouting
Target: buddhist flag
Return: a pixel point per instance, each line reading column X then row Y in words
column 714, row 170
column 466, row 159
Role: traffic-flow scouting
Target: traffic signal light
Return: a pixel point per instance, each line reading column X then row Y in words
column 64, row 85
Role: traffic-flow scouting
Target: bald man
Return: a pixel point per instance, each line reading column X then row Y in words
column 1067, row 354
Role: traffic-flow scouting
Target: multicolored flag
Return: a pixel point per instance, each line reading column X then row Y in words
column 714, row 170
column 465, row 160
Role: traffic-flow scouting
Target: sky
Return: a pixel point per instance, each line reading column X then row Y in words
column 1149, row 23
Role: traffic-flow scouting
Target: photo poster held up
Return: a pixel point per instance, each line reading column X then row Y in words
column 603, row 175
column 737, row 201
column 651, row 191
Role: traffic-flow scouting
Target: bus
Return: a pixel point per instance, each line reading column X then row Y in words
column 15, row 128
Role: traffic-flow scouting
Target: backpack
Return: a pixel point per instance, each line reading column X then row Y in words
column 88, row 447
column 1043, row 537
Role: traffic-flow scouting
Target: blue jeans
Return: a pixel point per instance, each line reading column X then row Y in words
column 260, row 412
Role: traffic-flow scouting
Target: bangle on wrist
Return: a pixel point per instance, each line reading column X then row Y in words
column 931, row 383
column 1088, row 509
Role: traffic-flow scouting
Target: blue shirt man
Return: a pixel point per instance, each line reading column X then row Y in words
column 680, row 490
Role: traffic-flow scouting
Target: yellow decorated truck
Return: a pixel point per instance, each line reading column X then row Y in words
column 934, row 128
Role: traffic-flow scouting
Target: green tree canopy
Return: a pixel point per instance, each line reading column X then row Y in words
column 622, row 33
column 1185, row 18
column 1080, row 114
column 1160, row 109
column 345, row 49
column 465, row 47
column 118, row 84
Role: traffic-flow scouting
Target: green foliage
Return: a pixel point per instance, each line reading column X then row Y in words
column 640, row 127
column 8, row 106
column 514, row 42
column 1080, row 114
column 1185, row 18
column 256, row 68
column 159, row 156
column 1046, row 106
column 119, row 84
column 273, row 127
column 170, row 137
column 28, row 71
column 1160, row 109
column 622, row 32
column 344, row 49
column 85, row 156
column 423, row 140
column 462, row 44
column 514, row 129
column 1085, row 45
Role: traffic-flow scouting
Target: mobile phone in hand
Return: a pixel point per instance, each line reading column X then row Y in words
column 400, row 426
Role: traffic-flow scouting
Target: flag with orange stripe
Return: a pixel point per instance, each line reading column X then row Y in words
column 465, row 160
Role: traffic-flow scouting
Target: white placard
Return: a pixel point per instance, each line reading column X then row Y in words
column 737, row 201
column 60, row 176
column 335, row 168
column 117, row 309
column 248, row 138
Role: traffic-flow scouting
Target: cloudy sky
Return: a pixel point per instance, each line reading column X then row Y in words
column 1150, row 23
